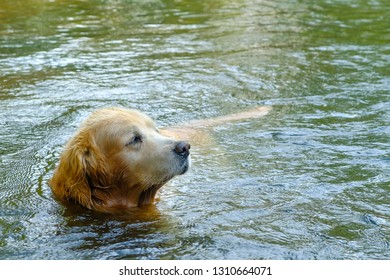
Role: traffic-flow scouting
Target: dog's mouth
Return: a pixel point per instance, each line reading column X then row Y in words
column 185, row 166
column 182, row 161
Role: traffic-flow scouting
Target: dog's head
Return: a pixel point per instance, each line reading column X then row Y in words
column 118, row 158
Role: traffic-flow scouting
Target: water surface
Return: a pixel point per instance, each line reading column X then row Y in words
column 309, row 181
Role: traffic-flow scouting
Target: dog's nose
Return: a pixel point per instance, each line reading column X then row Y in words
column 183, row 148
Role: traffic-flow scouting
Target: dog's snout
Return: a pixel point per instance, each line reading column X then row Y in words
column 183, row 148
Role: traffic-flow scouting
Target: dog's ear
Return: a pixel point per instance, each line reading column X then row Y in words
column 96, row 171
column 81, row 169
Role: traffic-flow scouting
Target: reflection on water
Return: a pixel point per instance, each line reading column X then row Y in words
column 309, row 181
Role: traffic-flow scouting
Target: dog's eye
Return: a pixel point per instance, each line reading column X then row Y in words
column 135, row 140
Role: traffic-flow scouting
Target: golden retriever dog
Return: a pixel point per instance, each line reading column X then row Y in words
column 118, row 159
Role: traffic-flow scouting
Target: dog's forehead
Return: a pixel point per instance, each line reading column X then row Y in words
column 128, row 121
column 137, row 119
column 114, row 123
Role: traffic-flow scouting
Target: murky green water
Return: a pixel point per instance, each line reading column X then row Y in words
column 309, row 181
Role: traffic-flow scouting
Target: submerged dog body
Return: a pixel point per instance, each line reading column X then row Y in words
column 117, row 160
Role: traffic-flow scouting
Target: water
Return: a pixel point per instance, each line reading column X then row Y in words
column 309, row 181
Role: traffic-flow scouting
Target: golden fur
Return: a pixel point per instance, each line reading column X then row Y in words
column 118, row 159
